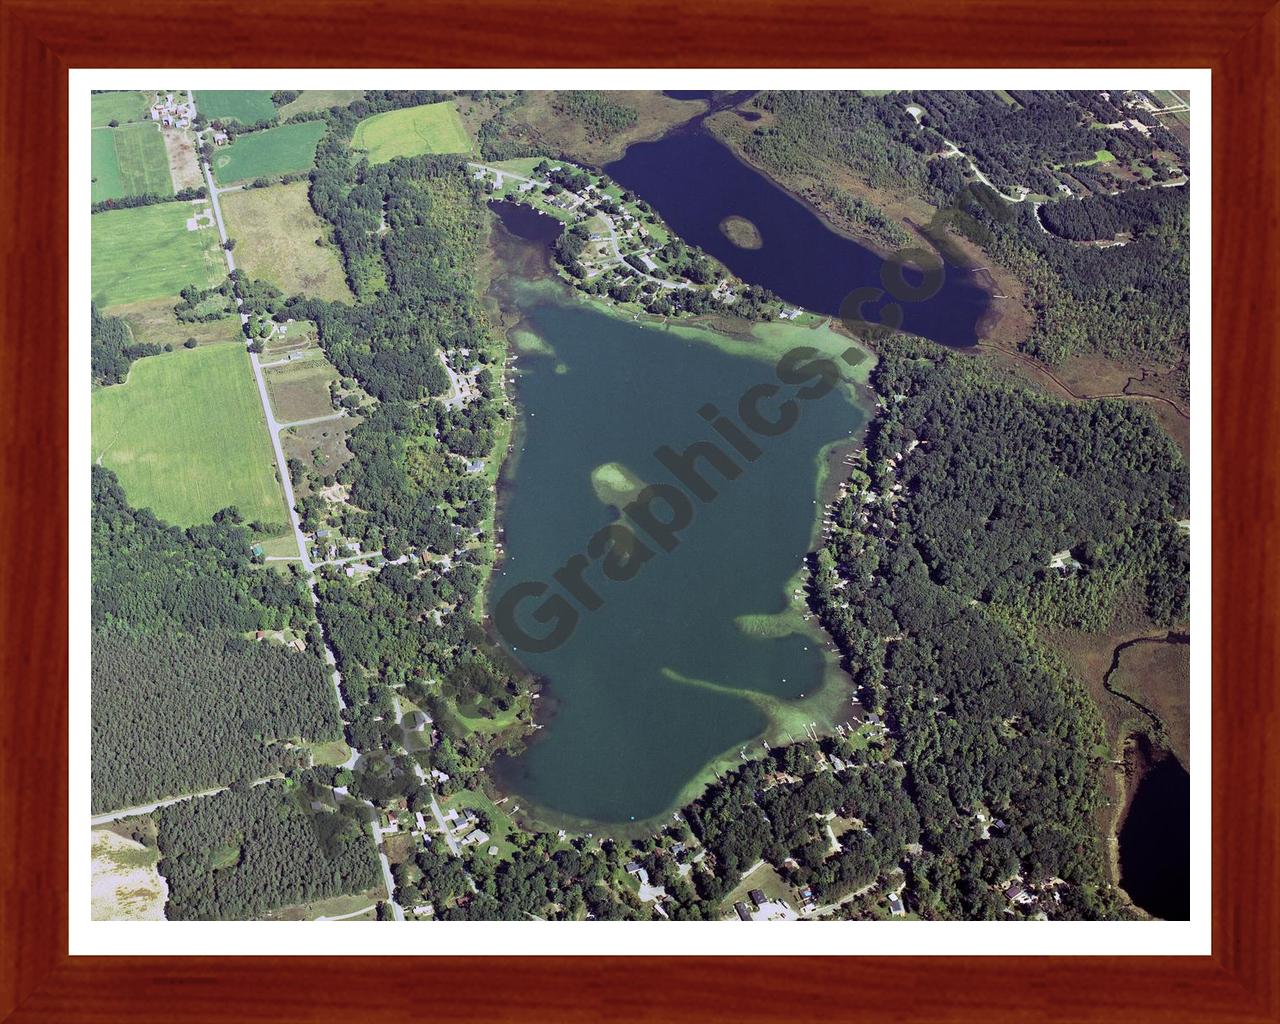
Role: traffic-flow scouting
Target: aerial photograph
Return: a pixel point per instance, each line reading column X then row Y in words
column 585, row 505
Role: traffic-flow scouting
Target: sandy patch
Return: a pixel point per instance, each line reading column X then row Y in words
column 126, row 884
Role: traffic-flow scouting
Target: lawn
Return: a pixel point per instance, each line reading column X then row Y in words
column 500, row 827
column 275, row 151
column 764, row 877
column 1101, row 156
column 129, row 161
column 277, row 235
column 248, row 106
column 148, row 253
column 119, row 106
column 319, row 99
column 411, row 131
column 186, row 436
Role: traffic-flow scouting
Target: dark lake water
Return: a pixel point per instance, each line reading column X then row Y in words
column 1155, row 839
column 660, row 680
column 695, row 182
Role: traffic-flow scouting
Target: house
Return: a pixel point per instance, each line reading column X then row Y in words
column 837, row 764
column 895, row 905
column 476, row 838
column 757, row 896
column 633, row 868
column 1015, row 893
column 743, row 913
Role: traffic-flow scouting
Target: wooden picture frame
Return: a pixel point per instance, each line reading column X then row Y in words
column 41, row 39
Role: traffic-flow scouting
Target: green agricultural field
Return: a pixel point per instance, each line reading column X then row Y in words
column 129, row 161
column 280, row 239
column 283, row 150
column 433, row 128
column 319, row 99
column 119, row 106
column 248, row 106
column 148, row 253
column 186, row 436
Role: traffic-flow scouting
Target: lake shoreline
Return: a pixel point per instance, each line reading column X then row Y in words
column 518, row 260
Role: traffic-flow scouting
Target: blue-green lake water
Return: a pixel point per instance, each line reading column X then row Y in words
column 627, row 727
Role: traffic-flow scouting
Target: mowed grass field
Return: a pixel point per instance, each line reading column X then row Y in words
column 319, row 99
column 119, row 106
column 186, row 436
column 432, row 128
column 129, row 161
column 283, row 150
column 248, row 106
column 276, row 234
column 148, row 253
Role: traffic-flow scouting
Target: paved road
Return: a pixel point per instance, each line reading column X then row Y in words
column 273, row 428
column 129, row 812
column 343, row 917
column 617, row 252
column 273, row 425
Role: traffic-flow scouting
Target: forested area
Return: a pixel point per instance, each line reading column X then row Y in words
column 872, row 136
column 1151, row 211
column 1002, row 478
column 971, row 482
column 250, row 849
column 776, row 810
column 1126, row 302
column 149, row 576
column 180, row 701
column 111, row 348
column 599, row 116
column 1019, row 144
column 179, row 713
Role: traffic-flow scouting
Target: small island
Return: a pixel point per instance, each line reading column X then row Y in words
column 741, row 232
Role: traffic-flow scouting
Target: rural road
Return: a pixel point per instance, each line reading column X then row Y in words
column 274, row 428
column 106, row 817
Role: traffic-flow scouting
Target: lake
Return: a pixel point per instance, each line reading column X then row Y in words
column 695, row 182
column 660, row 680
column 1155, row 838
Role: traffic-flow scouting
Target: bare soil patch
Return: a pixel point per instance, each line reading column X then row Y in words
column 184, row 167
column 126, row 885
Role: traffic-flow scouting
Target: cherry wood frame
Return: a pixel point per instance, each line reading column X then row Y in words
column 41, row 39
